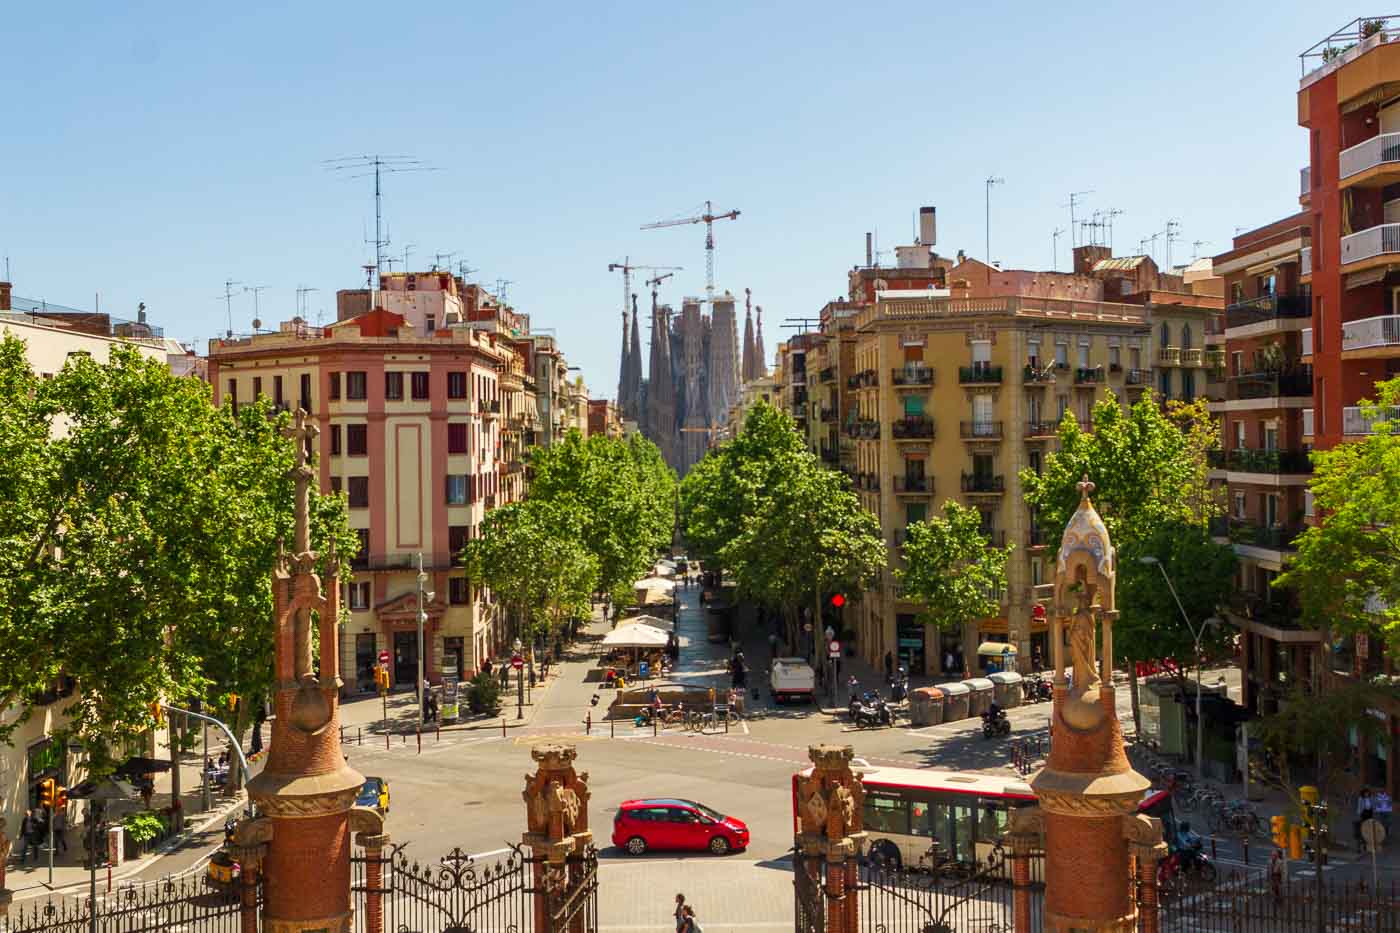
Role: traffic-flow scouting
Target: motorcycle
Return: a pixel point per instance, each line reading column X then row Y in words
column 1184, row 863
column 1036, row 689
column 873, row 715
column 995, row 725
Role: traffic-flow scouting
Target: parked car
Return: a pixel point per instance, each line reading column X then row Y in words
column 792, row 679
column 374, row 793
column 667, row 823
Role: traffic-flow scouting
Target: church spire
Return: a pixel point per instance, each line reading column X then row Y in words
column 760, row 362
column 623, row 367
column 631, row 411
column 746, row 370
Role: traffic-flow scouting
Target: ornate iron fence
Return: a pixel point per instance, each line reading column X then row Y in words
column 188, row 903
column 571, row 893
column 1251, row 902
column 809, row 900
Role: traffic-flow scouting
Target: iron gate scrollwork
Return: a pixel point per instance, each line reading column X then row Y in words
column 809, row 899
column 571, row 893
column 188, row 903
column 455, row 894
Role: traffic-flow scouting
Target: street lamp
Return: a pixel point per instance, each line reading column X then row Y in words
column 422, row 618
column 519, row 682
column 1197, row 634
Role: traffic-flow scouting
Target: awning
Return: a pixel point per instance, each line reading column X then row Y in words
column 655, row 583
column 636, row 636
column 136, row 766
column 995, row 649
column 665, row 625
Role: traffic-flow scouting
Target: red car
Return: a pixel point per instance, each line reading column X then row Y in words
column 668, row 823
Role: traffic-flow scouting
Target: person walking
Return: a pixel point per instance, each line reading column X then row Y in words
column 1383, row 807
column 28, row 834
column 1365, row 809
column 680, row 912
column 889, row 667
column 689, row 923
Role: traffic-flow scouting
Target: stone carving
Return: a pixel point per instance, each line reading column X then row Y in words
column 1027, row 821
column 1093, row 807
column 841, row 812
column 1085, row 580
column 1141, row 829
column 366, row 821
column 556, row 796
column 562, row 801
column 254, row 832
column 306, row 807
column 814, row 810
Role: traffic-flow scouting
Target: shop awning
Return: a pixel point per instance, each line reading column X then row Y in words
column 995, row 649
column 636, row 636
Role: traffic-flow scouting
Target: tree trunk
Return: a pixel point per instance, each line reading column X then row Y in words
column 178, row 808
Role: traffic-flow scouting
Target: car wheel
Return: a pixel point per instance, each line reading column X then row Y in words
column 636, row 846
column 719, row 845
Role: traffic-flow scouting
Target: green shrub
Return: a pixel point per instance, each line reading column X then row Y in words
column 484, row 695
column 143, row 826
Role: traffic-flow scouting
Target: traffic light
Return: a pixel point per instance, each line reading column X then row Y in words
column 838, row 600
column 157, row 715
column 47, row 789
column 60, row 798
column 1278, row 828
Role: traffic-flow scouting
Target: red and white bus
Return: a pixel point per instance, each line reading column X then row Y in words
column 906, row 809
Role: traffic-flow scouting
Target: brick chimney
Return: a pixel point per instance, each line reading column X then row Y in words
column 1085, row 257
column 5, row 289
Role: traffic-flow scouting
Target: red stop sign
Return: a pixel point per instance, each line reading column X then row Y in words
column 517, row 662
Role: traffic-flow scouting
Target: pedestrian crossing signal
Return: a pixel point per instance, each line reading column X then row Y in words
column 47, row 792
column 60, row 799
column 1278, row 828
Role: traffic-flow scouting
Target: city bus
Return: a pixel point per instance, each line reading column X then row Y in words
column 906, row 809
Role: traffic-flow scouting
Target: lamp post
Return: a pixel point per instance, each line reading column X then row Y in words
column 1196, row 634
column 519, row 683
column 422, row 618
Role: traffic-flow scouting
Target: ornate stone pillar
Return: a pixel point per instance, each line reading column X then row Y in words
column 556, row 809
column 1088, row 792
column 373, row 844
column 831, row 803
column 1144, row 835
column 250, row 859
column 306, row 791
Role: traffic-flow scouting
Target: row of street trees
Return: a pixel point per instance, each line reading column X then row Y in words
column 598, row 513
column 137, row 544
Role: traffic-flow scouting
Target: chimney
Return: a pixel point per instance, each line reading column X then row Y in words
column 928, row 226
column 141, row 312
column 962, row 257
column 869, row 250
column 1086, row 257
column 5, row 288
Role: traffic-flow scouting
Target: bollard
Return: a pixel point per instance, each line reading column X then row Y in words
column 588, row 723
column 503, row 727
column 418, row 737
column 359, row 735
column 405, row 737
column 612, row 728
column 386, row 741
column 653, row 727
column 439, row 733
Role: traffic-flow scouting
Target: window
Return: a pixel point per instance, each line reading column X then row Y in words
column 335, row 386
column 359, row 492
column 1239, row 506
column 457, row 437
column 458, row 593
column 456, row 489
column 355, row 386
column 1188, row 384
column 1270, row 510
column 1135, row 357
column 257, row 387
column 1270, row 437
column 335, row 440
column 277, row 391
column 1165, row 383
column 1033, row 353
column 432, row 323
column 1236, row 362
column 306, row 392
column 1062, row 406
column 1115, row 357
column 1166, row 335
column 359, row 595
column 982, row 411
column 393, row 386
column 456, row 385
column 1185, row 336
column 1264, row 285
column 1239, row 435
column 1061, row 354
column 1236, row 293
column 1083, row 356
column 356, row 440
column 335, row 484
column 457, row 537
column 885, row 815
column 1034, row 457
column 361, row 558
column 420, row 386
column 981, row 353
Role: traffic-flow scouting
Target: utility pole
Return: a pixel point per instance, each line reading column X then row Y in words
column 422, row 617
column 991, row 180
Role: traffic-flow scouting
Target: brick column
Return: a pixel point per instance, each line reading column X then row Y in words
column 1021, row 846
column 831, row 815
column 1148, row 851
column 250, row 864
column 556, row 809
column 373, row 844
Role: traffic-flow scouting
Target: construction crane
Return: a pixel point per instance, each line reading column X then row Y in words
column 708, row 219
column 627, row 270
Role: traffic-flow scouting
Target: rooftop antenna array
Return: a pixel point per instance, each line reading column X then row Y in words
column 1055, row 248
column 438, row 260
column 377, row 166
column 256, row 290
column 464, row 270
column 1172, row 234
column 1076, row 198
column 302, row 292
column 227, row 299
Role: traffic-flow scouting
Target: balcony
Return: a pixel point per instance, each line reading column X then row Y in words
column 1275, row 537
column 911, row 428
column 827, row 415
column 1041, row 429
column 1213, row 359
column 1292, row 384
column 1032, row 375
column 979, row 374
column 1192, row 357
column 1305, row 338
column 1383, row 149
column 1267, row 308
column 1379, row 240
column 980, row 430
column 1381, row 331
column 868, row 430
column 1138, row 377
column 827, row 375
column 1356, row 422
column 1305, row 261
column 1089, row 376
column 911, row 377
column 983, row 484
column 1245, row 460
column 865, row 379
column 913, row 485
column 488, row 406
column 1169, row 356
column 1307, row 422
column 870, row 482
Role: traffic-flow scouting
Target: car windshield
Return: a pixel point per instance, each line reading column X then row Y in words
column 369, row 793
column 712, row 814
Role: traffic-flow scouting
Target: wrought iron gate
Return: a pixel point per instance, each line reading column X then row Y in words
column 809, row 898
column 178, row 903
column 571, row 893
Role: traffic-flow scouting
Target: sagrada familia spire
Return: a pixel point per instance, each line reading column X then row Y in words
column 629, row 377
column 746, row 369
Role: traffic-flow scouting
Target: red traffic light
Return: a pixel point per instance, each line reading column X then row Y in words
column 838, row 600
column 1037, row 611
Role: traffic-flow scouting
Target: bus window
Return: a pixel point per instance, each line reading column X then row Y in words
column 884, row 815
column 964, row 820
column 919, row 824
column 992, row 822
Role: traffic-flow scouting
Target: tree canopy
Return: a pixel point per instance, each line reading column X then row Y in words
column 950, row 569
column 138, row 541
column 1346, row 568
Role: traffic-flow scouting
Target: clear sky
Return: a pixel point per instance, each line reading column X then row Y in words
column 153, row 150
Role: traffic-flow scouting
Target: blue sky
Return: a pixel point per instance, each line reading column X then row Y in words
column 153, row 150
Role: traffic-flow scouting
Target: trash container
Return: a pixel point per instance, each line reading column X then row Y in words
column 1006, row 688
column 926, row 706
column 980, row 699
column 956, row 695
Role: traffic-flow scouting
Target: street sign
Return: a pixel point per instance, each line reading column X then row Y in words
column 384, row 657
column 834, row 649
column 517, row 662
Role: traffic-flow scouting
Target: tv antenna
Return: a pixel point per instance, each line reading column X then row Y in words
column 1055, row 248
column 302, row 292
column 465, row 270
column 256, row 290
column 227, row 298
column 1112, row 213
column 1196, row 248
column 407, row 249
column 377, row 166
column 438, row 260
column 501, row 286
column 1171, row 234
column 1076, row 198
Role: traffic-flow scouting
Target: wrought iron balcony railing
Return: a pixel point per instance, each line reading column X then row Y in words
column 1267, row 308
column 983, row 483
column 979, row 375
column 911, row 428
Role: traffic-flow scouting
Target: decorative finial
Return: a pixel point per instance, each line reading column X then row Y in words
column 1086, row 487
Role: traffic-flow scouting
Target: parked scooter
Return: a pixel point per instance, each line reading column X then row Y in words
column 995, row 723
column 872, row 714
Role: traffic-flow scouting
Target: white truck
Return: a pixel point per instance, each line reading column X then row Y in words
column 792, row 679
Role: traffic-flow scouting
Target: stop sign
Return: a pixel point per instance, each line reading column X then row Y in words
column 517, row 662
column 383, row 657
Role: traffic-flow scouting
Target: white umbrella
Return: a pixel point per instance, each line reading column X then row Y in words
column 636, row 636
column 656, row 583
column 654, row 621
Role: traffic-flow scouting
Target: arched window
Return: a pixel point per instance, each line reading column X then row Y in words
column 1166, row 335
column 1185, row 336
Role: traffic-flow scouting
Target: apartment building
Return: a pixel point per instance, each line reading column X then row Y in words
column 1263, row 462
column 411, row 407
column 1349, row 105
column 604, row 418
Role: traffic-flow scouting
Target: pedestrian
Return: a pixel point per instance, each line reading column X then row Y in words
column 689, row 923
column 28, row 836
column 889, row 667
column 60, row 828
column 680, row 912
column 948, row 661
column 1383, row 810
column 1365, row 809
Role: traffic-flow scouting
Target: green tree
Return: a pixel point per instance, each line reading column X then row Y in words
column 951, row 570
column 1149, row 468
column 1345, row 569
